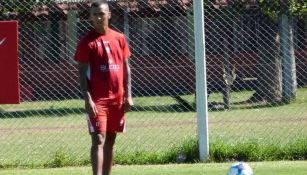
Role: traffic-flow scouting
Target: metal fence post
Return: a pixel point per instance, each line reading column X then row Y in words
column 201, row 82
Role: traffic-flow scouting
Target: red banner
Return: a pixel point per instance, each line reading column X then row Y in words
column 9, row 68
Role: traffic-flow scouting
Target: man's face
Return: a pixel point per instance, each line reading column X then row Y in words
column 100, row 17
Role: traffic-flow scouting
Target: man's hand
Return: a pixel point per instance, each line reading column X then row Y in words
column 90, row 108
column 128, row 103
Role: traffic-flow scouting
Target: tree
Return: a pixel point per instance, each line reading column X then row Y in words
column 277, row 78
column 273, row 50
column 269, row 84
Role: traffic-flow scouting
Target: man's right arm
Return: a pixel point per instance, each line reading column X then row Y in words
column 90, row 106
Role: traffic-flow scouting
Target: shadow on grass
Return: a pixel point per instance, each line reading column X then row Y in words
column 181, row 106
column 162, row 108
column 219, row 106
column 61, row 112
column 212, row 106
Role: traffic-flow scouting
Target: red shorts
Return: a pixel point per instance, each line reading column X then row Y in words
column 109, row 119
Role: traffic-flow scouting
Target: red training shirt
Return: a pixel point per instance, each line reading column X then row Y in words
column 106, row 55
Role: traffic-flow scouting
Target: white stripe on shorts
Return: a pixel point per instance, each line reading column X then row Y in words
column 90, row 126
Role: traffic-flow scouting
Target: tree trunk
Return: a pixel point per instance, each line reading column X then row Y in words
column 226, row 73
column 287, row 55
column 269, row 85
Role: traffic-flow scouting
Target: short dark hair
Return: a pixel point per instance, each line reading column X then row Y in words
column 98, row 3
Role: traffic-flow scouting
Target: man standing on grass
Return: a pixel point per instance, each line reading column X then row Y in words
column 102, row 55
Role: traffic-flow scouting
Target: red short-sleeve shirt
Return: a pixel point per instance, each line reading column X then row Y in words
column 105, row 54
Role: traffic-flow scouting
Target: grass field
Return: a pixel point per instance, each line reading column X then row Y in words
column 35, row 133
column 259, row 168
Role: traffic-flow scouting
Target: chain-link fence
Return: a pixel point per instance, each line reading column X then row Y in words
column 249, row 47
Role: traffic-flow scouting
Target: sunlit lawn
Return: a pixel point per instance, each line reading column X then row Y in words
column 260, row 168
column 37, row 130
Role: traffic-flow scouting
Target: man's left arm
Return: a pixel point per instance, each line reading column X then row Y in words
column 128, row 102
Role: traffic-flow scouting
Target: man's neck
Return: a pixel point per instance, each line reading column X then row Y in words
column 102, row 30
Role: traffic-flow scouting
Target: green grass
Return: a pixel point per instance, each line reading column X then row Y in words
column 36, row 134
column 259, row 168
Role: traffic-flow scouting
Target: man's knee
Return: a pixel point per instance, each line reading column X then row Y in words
column 110, row 140
column 98, row 139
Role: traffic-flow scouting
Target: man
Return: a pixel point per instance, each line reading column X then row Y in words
column 104, row 73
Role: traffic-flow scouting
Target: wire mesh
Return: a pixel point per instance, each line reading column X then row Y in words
column 245, row 77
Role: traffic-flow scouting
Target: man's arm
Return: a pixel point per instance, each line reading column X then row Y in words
column 127, row 87
column 90, row 106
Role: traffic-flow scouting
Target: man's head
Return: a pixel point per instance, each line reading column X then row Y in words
column 100, row 15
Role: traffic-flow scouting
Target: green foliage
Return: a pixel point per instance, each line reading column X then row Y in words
column 273, row 7
column 270, row 8
column 23, row 6
column 186, row 152
column 61, row 158
column 18, row 5
column 188, row 148
column 298, row 7
column 245, row 151
column 140, row 158
column 253, row 151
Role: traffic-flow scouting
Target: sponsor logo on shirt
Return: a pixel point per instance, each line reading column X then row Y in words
column 109, row 68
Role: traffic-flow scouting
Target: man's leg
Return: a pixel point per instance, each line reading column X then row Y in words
column 97, row 152
column 108, row 153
